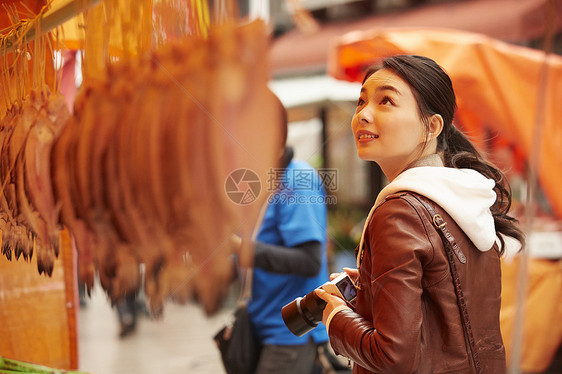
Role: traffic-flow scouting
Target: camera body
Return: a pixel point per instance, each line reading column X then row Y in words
column 305, row 313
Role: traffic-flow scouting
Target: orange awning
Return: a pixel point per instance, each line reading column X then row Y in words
column 497, row 86
column 507, row 20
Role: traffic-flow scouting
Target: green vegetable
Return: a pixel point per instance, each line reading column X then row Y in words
column 10, row 366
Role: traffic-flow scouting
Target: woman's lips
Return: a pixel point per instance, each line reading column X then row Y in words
column 366, row 136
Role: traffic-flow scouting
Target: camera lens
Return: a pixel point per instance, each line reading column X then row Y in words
column 303, row 314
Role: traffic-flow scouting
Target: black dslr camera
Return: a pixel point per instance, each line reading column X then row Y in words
column 305, row 313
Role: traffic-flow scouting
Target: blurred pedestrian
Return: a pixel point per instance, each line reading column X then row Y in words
column 127, row 314
column 289, row 260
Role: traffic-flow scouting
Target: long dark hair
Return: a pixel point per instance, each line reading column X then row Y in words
column 434, row 94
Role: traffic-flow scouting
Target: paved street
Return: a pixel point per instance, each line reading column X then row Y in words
column 181, row 342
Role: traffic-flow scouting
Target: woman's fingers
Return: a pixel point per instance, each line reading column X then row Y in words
column 334, row 276
column 331, row 302
column 321, row 293
column 353, row 273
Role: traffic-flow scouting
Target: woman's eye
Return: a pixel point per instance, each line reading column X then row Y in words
column 360, row 102
column 386, row 100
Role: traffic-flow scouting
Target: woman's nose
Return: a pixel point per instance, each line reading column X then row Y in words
column 365, row 115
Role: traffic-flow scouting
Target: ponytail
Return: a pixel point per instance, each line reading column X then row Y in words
column 460, row 153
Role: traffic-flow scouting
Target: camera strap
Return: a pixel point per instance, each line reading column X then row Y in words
column 247, row 273
column 246, row 285
column 453, row 250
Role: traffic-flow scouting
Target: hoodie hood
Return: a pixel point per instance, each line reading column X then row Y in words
column 465, row 194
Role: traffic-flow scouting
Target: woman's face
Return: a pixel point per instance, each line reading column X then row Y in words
column 386, row 124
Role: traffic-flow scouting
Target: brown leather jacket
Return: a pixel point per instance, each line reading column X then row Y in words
column 406, row 318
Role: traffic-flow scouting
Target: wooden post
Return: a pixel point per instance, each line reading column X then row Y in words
column 38, row 321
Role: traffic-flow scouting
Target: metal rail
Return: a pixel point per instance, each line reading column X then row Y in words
column 51, row 19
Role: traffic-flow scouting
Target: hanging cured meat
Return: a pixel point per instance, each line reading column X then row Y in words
column 16, row 238
column 29, row 216
column 138, row 174
column 31, row 119
column 140, row 169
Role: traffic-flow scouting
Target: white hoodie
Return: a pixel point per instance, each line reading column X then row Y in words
column 464, row 194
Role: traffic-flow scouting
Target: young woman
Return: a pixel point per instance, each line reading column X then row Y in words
column 428, row 274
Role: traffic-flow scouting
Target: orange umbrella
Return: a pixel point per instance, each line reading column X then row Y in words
column 497, row 86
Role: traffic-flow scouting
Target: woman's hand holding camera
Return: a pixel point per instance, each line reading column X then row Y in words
column 353, row 274
column 333, row 301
